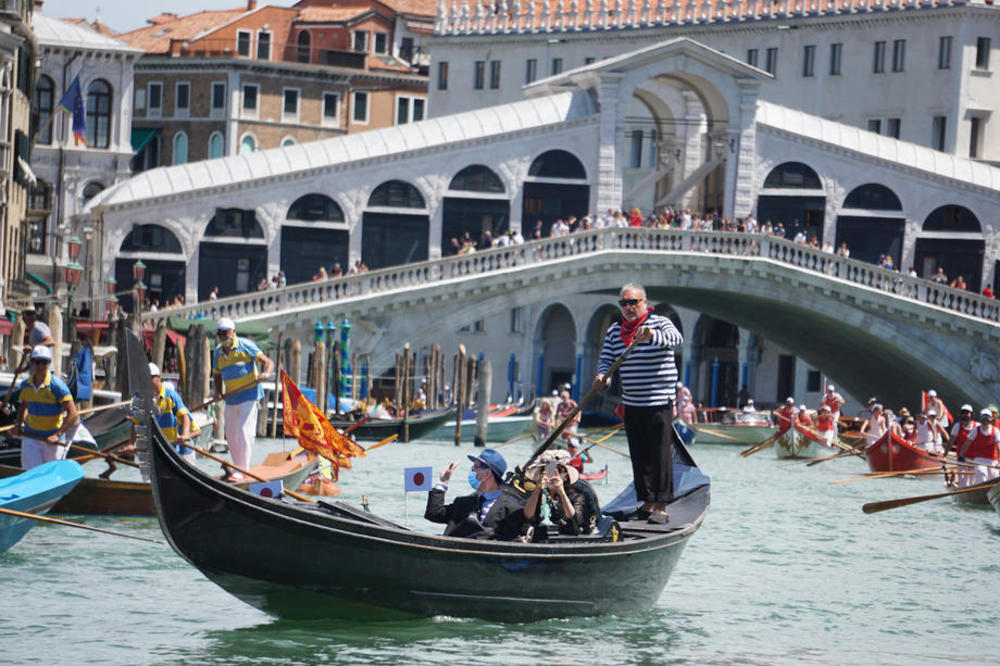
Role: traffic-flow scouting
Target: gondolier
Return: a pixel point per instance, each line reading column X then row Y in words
column 234, row 365
column 649, row 380
column 47, row 411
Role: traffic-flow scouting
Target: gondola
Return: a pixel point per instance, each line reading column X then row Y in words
column 34, row 491
column 331, row 559
column 890, row 453
column 798, row 442
column 977, row 497
column 733, row 426
column 416, row 426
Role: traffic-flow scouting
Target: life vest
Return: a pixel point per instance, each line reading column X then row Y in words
column 983, row 445
column 961, row 434
column 824, row 422
column 832, row 402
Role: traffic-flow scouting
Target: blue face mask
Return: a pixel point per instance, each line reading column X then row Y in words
column 473, row 481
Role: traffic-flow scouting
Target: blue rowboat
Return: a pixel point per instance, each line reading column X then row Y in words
column 34, row 491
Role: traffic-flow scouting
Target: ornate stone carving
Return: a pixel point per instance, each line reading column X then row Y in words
column 983, row 367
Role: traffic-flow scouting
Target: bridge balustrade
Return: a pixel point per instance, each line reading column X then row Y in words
column 753, row 246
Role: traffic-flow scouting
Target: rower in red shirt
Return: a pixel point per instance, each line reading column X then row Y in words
column 785, row 414
column 826, row 425
column 982, row 447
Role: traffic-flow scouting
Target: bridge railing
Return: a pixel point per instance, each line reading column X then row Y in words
column 758, row 246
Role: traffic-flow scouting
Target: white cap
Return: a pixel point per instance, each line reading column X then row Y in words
column 932, row 393
column 41, row 352
column 985, row 412
column 966, row 408
column 154, row 371
column 225, row 324
column 831, row 387
column 790, row 400
column 750, row 401
column 802, row 408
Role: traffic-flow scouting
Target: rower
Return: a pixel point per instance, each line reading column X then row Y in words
column 545, row 421
column 46, row 413
column 785, row 413
column 981, row 448
column 874, row 426
column 936, row 405
column 577, row 458
column 930, row 433
column 565, row 408
column 833, row 400
column 960, row 432
column 825, row 425
column 802, row 417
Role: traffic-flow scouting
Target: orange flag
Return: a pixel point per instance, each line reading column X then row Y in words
column 306, row 423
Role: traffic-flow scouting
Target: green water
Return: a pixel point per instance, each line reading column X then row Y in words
column 785, row 570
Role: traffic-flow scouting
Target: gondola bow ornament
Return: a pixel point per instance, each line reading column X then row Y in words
column 307, row 424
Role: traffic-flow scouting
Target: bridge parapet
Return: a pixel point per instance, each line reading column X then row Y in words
column 344, row 290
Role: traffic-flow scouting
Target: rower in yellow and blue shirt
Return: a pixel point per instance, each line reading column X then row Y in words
column 234, row 367
column 47, row 411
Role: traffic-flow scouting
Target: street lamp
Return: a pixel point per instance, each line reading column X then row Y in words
column 138, row 272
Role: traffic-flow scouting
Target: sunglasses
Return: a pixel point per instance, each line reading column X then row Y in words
column 623, row 302
column 220, row 334
column 40, row 361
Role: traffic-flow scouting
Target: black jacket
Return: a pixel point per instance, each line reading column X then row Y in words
column 505, row 519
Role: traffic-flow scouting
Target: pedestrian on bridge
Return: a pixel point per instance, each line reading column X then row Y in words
column 649, row 380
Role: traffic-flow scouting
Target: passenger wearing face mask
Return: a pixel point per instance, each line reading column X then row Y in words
column 491, row 512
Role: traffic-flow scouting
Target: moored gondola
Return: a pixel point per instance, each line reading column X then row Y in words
column 333, row 560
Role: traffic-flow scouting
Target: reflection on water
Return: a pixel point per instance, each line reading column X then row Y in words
column 786, row 570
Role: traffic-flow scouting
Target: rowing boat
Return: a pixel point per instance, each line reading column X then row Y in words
column 993, row 497
column 35, row 491
column 264, row 551
column 798, row 442
column 891, row 453
column 977, row 497
column 730, row 426
column 415, row 426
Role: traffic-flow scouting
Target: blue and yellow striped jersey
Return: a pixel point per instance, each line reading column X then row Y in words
column 45, row 405
column 238, row 368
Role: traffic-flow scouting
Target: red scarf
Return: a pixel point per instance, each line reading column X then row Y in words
column 628, row 329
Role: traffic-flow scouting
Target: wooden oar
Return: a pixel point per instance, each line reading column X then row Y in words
column 576, row 410
column 875, row 507
column 226, row 395
column 709, row 430
column 101, row 454
column 816, row 461
column 229, row 465
column 46, row 519
column 82, row 412
column 95, row 454
column 605, row 446
column 516, row 439
column 391, row 438
column 882, row 475
column 767, row 443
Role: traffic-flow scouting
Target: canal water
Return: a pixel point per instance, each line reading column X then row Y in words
column 785, row 570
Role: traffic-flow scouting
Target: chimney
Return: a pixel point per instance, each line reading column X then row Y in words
column 251, row 5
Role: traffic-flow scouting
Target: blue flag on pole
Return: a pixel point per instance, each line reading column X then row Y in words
column 72, row 103
column 417, row 479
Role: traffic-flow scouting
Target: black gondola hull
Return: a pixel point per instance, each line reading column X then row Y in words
column 300, row 560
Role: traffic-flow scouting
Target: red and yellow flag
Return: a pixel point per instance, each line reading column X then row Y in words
column 306, row 423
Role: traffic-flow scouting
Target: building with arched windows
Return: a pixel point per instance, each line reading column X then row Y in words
column 71, row 173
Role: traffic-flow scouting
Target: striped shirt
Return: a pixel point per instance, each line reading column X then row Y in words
column 45, row 405
column 238, row 369
column 649, row 374
column 169, row 408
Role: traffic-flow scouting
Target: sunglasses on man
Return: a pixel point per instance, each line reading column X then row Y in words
column 624, row 302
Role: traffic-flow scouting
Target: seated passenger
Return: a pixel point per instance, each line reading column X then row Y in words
column 570, row 507
column 488, row 513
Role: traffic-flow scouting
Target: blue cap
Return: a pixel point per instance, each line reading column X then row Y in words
column 492, row 459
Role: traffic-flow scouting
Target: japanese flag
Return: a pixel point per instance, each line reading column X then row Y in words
column 417, row 479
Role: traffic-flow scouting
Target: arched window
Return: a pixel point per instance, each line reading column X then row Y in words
column 557, row 164
column 215, row 145
column 91, row 190
column 315, row 208
column 952, row 218
column 44, row 101
column 180, row 148
column 99, row 114
column 287, row 141
column 248, row 144
column 873, row 197
column 234, row 223
column 151, row 238
column 793, row 175
column 477, row 178
column 396, row 194
column 304, row 42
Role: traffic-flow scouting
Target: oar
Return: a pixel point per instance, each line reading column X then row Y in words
column 605, row 446
column 96, row 454
column 226, row 463
column 516, row 439
column 882, row 475
column 106, row 456
column 711, row 431
column 46, row 519
column 224, row 396
column 354, row 426
column 816, row 461
column 875, row 507
column 576, row 410
column 767, row 443
column 387, row 440
column 13, row 383
column 82, row 412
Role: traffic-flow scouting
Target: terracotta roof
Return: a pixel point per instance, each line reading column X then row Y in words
column 156, row 38
column 422, row 7
column 332, row 14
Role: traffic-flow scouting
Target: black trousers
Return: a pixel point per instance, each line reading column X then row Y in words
column 650, row 446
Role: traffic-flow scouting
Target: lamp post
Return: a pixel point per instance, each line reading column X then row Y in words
column 138, row 272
